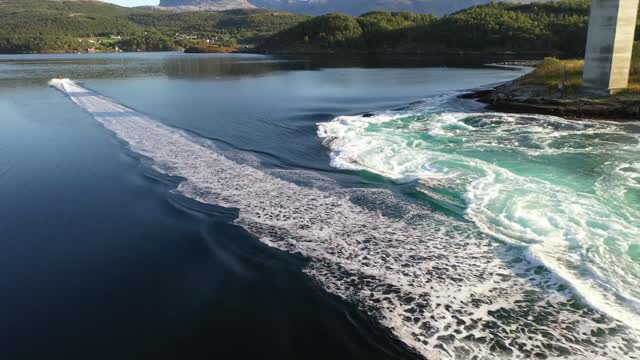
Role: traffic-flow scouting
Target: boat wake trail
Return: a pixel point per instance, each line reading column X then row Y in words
column 438, row 283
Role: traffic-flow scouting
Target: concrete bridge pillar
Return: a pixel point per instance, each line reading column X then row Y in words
column 612, row 27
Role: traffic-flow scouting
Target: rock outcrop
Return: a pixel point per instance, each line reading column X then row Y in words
column 517, row 98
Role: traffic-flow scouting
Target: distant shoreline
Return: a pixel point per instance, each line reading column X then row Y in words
column 415, row 52
column 53, row 52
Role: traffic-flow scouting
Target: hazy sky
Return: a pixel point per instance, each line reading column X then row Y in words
column 133, row 2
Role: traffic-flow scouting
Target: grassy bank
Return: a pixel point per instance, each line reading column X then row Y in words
column 567, row 74
column 553, row 88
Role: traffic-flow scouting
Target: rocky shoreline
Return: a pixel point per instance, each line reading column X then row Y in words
column 516, row 98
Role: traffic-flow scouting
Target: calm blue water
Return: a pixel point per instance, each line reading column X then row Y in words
column 167, row 205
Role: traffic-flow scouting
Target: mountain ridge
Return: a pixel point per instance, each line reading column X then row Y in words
column 320, row 7
column 198, row 5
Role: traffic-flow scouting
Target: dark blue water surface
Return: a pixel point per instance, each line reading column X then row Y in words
column 99, row 260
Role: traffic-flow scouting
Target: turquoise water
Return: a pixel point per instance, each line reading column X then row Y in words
column 568, row 191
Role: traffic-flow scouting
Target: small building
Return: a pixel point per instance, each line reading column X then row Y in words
column 91, row 50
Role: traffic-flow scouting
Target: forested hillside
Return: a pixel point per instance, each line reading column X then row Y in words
column 28, row 26
column 555, row 27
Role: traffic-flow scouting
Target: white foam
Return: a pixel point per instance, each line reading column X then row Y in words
column 557, row 221
column 441, row 286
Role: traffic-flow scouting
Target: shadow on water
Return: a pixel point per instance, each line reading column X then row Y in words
column 261, row 299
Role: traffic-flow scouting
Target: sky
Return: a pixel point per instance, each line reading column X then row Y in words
column 133, row 2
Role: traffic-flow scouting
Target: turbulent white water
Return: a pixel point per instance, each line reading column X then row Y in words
column 441, row 285
column 566, row 189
